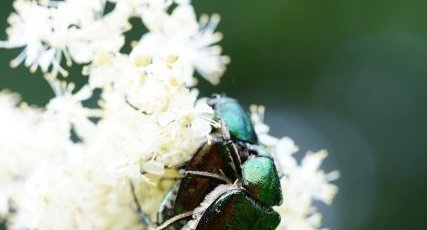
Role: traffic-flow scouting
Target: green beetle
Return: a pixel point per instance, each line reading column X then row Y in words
column 230, row 207
column 234, row 117
column 199, row 196
column 247, row 203
column 244, row 204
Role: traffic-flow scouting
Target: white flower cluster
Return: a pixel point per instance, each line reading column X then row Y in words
column 71, row 166
column 302, row 183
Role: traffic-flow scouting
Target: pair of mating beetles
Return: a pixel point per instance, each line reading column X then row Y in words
column 230, row 182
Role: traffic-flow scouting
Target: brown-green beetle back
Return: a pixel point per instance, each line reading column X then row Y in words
column 235, row 209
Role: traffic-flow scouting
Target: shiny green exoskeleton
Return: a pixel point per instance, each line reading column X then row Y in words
column 237, row 120
column 245, row 204
column 244, row 189
column 230, row 207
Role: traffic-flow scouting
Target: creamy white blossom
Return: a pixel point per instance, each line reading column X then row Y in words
column 53, row 30
column 67, row 165
column 302, row 182
column 192, row 43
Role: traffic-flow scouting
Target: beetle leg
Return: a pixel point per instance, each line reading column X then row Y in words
column 182, row 216
column 232, row 148
column 235, row 157
column 135, row 199
column 208, row 174
column 143, row 217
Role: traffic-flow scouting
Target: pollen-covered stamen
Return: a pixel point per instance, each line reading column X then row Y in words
column 19, row 59
column 68, row 60
column 171, row 59
column 143, row 61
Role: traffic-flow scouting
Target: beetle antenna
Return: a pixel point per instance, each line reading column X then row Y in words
column 182, row 216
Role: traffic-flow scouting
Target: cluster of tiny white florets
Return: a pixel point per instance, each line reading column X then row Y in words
column 302, row 182
column 70, row 166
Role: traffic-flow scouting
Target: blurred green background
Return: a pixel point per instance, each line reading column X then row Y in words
column 349, row 76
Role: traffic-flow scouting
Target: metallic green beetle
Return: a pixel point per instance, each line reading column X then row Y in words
column 244, row 204
column 234, row 117
column 199, row 196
